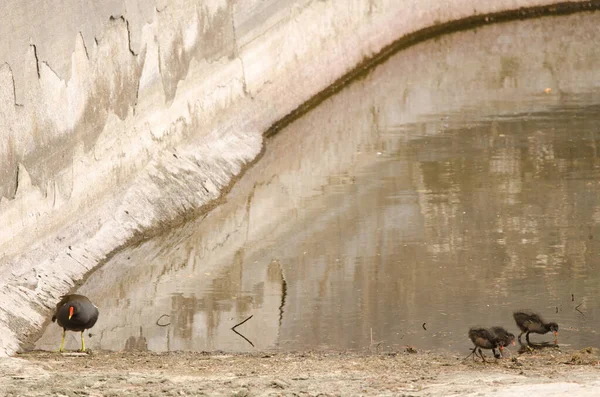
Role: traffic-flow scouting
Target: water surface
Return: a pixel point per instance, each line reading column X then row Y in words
column 457, row 182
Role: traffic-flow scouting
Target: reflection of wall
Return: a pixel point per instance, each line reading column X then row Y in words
column 504, row 185
column 469, row 226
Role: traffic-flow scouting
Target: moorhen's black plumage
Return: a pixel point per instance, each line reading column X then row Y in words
column 528, row 322
column 484, row 338
column 75, row 313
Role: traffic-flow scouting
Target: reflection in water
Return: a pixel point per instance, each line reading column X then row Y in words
column 456, row 183
column 530, row 347
column 136, row 343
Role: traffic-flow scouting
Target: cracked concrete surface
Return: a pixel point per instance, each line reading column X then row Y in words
column 119, row 119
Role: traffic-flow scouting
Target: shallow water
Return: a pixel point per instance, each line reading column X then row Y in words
column 457, row 182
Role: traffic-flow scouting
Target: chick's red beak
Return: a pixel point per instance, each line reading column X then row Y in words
column 501, row 348
column 513, row 343
column 70, row 312
column 556, row 334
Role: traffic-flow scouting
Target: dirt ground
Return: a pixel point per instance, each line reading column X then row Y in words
column 545, row 373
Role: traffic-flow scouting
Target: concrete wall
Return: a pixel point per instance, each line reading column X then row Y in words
column 121, row 117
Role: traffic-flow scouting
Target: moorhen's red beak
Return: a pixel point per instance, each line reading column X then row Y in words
column 513, row 343
column 70, row 312
column 556, row 334
column 501, row 348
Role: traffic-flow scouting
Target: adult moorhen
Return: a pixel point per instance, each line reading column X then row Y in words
column 484, row 338
column 75, row 313
column 528, row 322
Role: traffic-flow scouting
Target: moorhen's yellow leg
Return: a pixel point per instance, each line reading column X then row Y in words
column 62, row 343
column 82, row 342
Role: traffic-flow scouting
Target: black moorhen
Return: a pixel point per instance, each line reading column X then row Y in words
column 528, row 322
column 483, row 338
column 503, row 337
column 75, row 313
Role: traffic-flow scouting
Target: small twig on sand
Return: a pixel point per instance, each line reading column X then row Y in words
column 160, row 318
column 577, row 308
column 237, row 325
column 373, row 343
column 424, row 326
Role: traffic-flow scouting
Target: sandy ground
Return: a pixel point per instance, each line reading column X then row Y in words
column 544, row 373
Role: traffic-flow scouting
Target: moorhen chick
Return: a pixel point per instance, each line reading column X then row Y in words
column 503, row 337
column 75, row 313
column 528, row 322
column 484, row 338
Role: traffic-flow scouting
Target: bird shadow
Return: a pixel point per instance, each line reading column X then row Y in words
column 530, row 346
